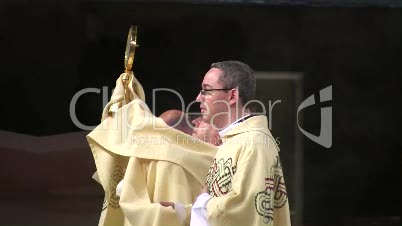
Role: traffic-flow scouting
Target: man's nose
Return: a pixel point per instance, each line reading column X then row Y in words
column 199, row 97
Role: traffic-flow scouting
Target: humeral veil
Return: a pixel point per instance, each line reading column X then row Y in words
column 157, row 162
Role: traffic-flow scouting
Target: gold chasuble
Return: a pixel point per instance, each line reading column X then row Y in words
column 157, row 162
column 246, row 180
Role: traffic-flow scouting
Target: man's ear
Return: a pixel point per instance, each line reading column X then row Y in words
column 234, row 96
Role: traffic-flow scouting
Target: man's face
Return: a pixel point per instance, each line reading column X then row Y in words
column 214, row 104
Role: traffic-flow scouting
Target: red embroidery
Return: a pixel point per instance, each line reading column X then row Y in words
column 274, row 196
column 219, row 178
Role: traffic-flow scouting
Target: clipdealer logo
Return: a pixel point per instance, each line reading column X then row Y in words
column 325, row 137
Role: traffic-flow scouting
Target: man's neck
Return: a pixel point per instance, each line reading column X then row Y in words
column 237, row 113
column 233, row 124
column 223, row 120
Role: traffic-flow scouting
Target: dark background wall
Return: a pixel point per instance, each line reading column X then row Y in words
column 52, row 49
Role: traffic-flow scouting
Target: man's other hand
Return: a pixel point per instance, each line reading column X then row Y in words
column 167, row 204
column 205, row 190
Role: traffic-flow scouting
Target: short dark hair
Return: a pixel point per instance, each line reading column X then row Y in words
column 240, row 75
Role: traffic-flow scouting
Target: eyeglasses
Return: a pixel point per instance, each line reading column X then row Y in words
column 207, row 91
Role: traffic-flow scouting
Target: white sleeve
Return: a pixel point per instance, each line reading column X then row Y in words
column 181, row 212
column 199, row 216
column 119, row 188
